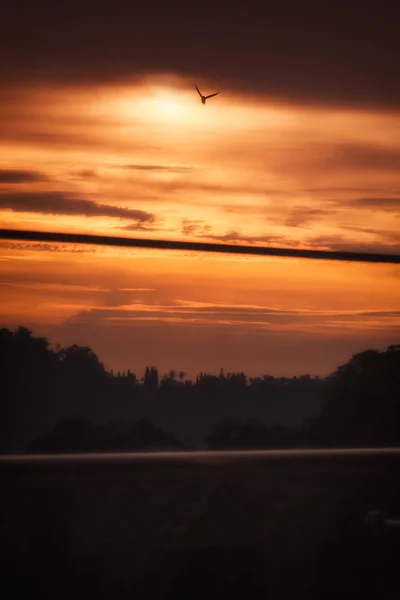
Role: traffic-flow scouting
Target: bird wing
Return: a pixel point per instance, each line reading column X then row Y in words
column 211, row 95
column 200, row 94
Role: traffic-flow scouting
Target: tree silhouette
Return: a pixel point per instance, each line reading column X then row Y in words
column 358, row 404
column 363, row 401
column 80, row 362
column 81, row 435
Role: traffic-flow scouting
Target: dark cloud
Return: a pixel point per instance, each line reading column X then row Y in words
column 348, row 190
column 190, row 227
column 61, row 203
column 236, row 236
column 339, row 243
column 342, row 159
column 389, row 243
column 300, row 216
column 256, row 209
column 364, row 157
column 386, row 241
column 194, row 186
column 56, row 287
column 42, row 246
column 160, row 168
column 387, row 235
column 47, row 140
column 342, row 52
column 228, row 314
column 153, row 189
column 145, row 227
column 86, row 174
column 20, row 176
column 387, row 204
column 75, row 133
column 380, row 313
column 140, row 227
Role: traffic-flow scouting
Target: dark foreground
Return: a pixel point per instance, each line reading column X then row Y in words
column 284, row 524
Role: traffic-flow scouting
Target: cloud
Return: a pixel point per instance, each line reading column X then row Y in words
column 198, row 228
column 157, row 188
column 136, row 290
column 380, row 313
column 350, row 156
column 236, row 236
column 193, row 186
column 20, row 176
column 202, row 230
column 144, row 227
column 157, row 168
column 300, row 216
column 384, row 235
column 375, row 203
column 339, row 243
column 219, row 314
column 307, row 62
column 59, row 286
column 38, row 130
column 61, row 203
column 86, row 174
column 347, row 189
column 338, row 166
column 42, row 246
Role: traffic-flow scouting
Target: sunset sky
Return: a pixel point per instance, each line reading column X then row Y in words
column 102, row 131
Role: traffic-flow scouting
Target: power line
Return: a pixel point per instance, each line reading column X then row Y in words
column 104, row 240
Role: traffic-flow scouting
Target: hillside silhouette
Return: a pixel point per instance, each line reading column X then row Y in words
column 64, row 400
column 81, row 435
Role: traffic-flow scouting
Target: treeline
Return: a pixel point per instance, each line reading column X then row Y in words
column 53, row 397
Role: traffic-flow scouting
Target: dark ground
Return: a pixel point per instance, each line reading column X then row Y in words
column 273, row 525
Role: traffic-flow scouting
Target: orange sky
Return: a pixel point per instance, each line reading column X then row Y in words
column 149, row 160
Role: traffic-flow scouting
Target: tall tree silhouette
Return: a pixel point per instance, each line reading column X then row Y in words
column 363, row 401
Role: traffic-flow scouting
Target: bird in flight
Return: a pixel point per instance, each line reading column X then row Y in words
column 204, row 98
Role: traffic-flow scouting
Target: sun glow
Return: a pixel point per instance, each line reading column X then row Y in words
column 179, row 107
column 165, row 106
column 158, row 105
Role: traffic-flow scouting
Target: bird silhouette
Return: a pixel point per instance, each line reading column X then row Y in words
column 204, row 98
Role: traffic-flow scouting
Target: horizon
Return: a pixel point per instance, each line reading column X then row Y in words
column 56, row 346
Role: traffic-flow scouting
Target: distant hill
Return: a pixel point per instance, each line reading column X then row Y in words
column 81, row 435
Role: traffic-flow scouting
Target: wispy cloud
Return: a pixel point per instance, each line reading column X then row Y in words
column 61, row 287
column 376, row 203
column 365, row 156
column 237, row 236
column 20, row 176
column 157, row 168
column 301, row 216
column 145, row 226
column 27, row 248
column 136, row 290
column 213, row 314
column 343, row 244
column 85, row 174
column 195, row 227
column 62, row 203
